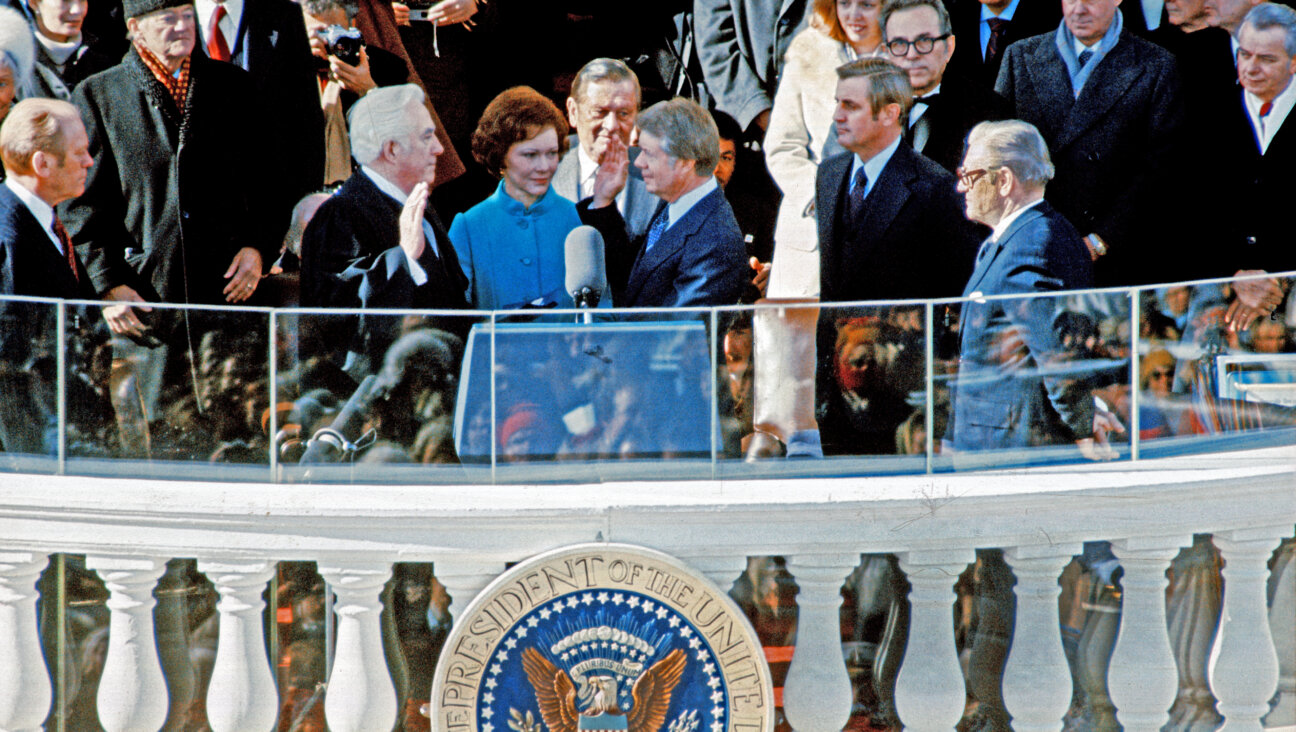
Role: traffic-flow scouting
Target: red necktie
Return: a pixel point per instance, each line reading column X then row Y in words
column 1265, row 109
column 216, row 46
column 62, row 235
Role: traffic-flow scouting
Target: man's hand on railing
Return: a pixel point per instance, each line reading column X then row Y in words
column 1098, row 447
column 1253, row 299
column 121, row 319
column 244, row 274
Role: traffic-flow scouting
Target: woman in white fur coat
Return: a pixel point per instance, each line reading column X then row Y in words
column 801, row 132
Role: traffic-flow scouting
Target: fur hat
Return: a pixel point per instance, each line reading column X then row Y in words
column 137, row 8
column 17, row 45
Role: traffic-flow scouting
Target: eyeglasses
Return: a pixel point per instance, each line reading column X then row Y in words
column 969, row 178
column 1162, row 374
column 922, row 44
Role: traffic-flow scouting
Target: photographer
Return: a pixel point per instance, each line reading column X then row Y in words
column 348, row 70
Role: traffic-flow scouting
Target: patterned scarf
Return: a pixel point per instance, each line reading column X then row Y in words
column 177, row 85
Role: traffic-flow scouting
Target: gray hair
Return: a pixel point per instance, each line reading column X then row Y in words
column 687, row 132
column 891, row 7
column 603, row 69
column 381, row 116
column 1017, row 146
column 17, row 49
column 1271, row 15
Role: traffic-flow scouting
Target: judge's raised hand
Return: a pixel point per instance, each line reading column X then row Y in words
column 412, row 239
column 121, row 318
column 613, row 169
column 244, row 274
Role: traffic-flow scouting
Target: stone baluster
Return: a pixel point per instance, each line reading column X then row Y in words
column 1037, row 679
column 241, row 695
column 24, row 680
column 1282, row 609
column 1244, row 665
column 132, row 691
column 463, row 580
column 360, row 697
column 1143, row 678
column 817, row 693
column 723, row 570
column 1193, row 612
column 930, row 691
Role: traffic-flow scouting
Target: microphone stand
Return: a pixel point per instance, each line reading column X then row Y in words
column 587, row 298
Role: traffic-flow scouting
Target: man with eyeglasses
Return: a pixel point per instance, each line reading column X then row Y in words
column 918, row 38
column 174, row 209
column 1109, row 105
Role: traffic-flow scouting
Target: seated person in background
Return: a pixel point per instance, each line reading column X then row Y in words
column 376, row 243
column 342, row 83
column 693, row 252
column 65, row 53
column 511, row 245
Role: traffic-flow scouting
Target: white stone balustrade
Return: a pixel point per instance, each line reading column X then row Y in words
column 817, row 692
column 1039, row 517
column 24, row 681
column 930, row 688
column 1244, row 666
column 241, row 695
column 360, row 696
column 1037, row 679
column 132, row 691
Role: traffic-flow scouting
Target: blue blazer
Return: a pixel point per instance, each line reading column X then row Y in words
column 1014, row 388
column 700, row 260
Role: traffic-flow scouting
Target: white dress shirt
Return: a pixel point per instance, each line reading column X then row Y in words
column 229, row 25
column 587, row 170
column 686, row 202
column 1266, row 128
column 1006, row 221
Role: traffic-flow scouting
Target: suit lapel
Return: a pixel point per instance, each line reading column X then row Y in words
column 50, row 266
column 831, row 187
column 889, row 192
column 671, row 241
column 1106, row 85
column 1052, row 83
column 565, row 177
column 995, row 249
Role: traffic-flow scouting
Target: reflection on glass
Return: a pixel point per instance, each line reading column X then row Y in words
column 339, row 403
column 1047, row 373
column 1206, row 371
column 300, row 620
column 608, row 390
column 28, row 382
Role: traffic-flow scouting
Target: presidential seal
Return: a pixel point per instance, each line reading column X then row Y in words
column 602, row 637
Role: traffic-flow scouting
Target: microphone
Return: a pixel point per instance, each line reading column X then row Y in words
column 333, row 443
column 586, row 273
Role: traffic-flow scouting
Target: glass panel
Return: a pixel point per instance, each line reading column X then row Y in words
column 622, row 396
column 405, row 415
column 1212, row 376
column 859, row 372
column 28, row 386
column 188, row 395
column 1032, row 375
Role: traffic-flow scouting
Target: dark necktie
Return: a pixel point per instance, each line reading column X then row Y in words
column 216, row 46
column 1085, row 55
column 855, row 213
column 998, row 29
column 61, row 233
column 660, row 223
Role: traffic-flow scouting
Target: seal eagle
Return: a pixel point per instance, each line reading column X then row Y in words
column 556, row 695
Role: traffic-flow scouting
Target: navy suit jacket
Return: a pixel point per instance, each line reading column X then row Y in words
column 700, row 260
column 1012, row 388
column 914, row 241
column 1032, row 18
column 1115, row 147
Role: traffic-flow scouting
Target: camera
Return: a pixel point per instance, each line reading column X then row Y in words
column 420, row 9
column 345, row 43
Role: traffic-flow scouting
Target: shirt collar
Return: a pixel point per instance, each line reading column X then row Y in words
column 43, row 212
column 1282, row 105
column 1007, row 14
column 384, row 185
column 205, row 8
column 684, row 203
column 587, row 165
column 1006, row 221
column 874, row 165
